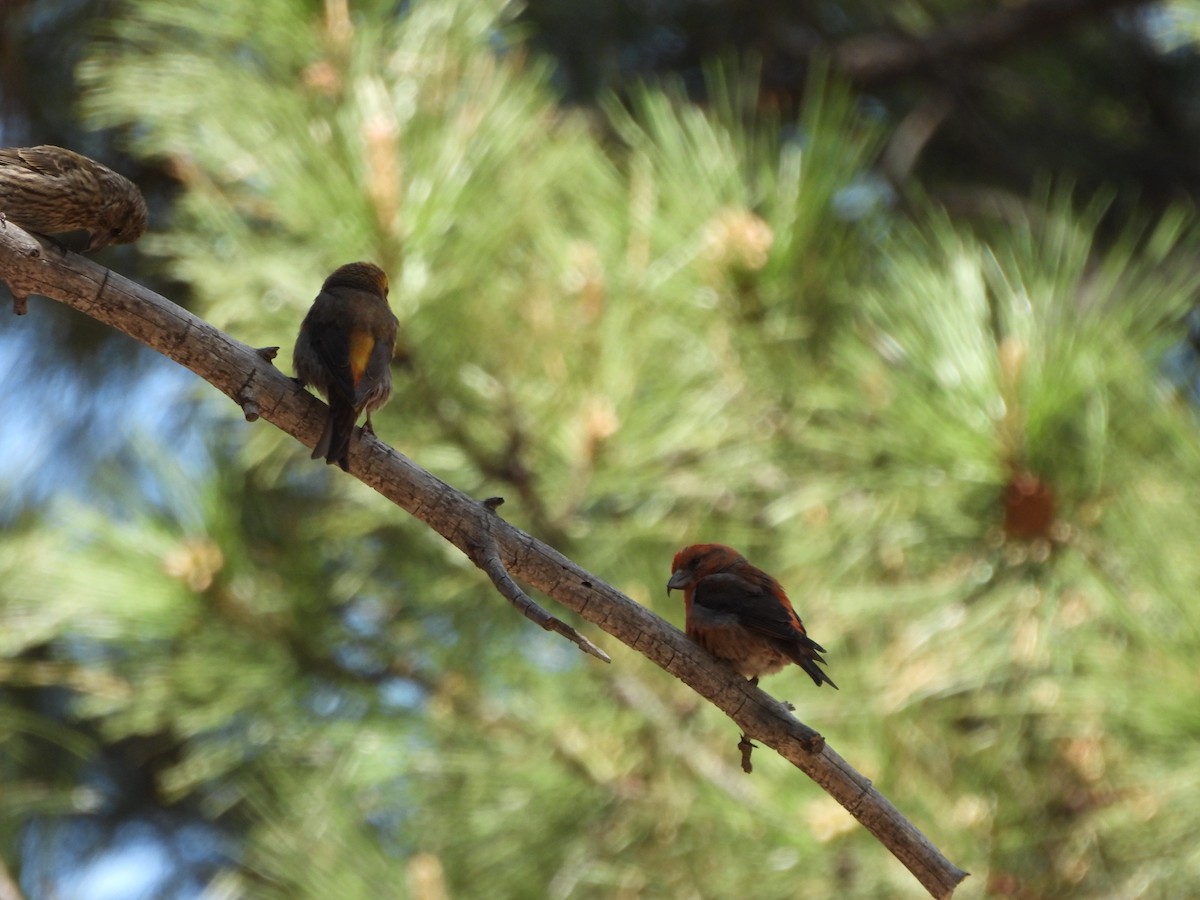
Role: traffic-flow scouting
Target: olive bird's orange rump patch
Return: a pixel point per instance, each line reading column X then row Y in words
column 362, row 343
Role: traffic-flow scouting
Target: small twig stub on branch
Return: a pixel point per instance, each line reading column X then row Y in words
column 747, row 747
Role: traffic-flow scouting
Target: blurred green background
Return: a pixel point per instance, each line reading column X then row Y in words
column 667, row 272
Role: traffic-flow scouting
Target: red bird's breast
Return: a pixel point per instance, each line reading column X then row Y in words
column 726, row 639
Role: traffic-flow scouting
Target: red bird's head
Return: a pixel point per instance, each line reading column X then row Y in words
column 695, row 561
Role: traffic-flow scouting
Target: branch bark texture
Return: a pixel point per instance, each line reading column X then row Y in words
column 34, row 266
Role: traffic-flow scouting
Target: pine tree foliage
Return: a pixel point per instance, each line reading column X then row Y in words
column 657, row 323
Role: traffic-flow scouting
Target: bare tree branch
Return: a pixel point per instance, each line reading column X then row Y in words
column 876, row 57
column 482, row 550
column 32, row 266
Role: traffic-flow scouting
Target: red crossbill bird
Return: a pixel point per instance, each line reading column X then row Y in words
column 741, row 615
column 49, row 190
column 345, row 351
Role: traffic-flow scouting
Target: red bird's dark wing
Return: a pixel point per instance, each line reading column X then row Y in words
column 760, row 612
column 756, row 608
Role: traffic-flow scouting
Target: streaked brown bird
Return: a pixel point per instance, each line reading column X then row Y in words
column 50, row 190
column 345, row 351
column 741, row 615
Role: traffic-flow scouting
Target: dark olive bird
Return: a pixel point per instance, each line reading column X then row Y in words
column 345, row 351
column 50, row 190
column 741, row 615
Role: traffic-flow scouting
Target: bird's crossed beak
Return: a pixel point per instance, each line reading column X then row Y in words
column 679, row 580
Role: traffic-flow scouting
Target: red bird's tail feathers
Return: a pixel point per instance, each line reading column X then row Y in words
column 806, row 653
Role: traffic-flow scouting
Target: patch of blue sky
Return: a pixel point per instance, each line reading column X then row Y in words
column 60, row 424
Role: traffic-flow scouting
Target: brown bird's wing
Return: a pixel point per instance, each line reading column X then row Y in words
column 760, row 612
column 50, row 161
column 42, row 191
